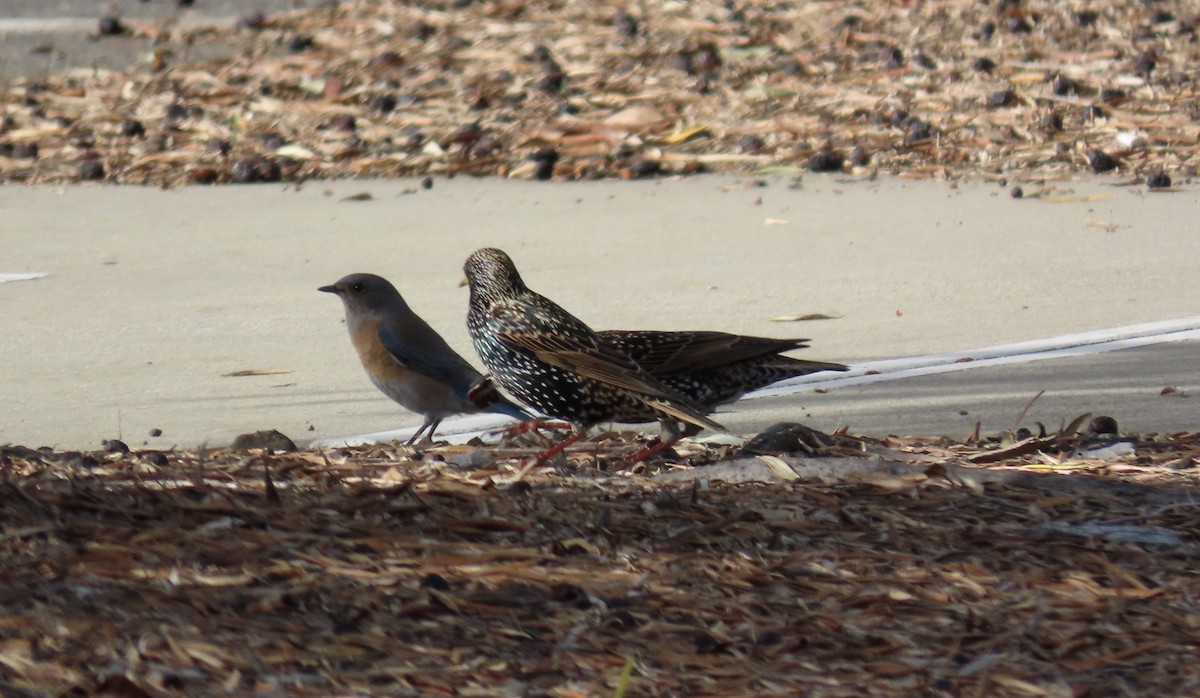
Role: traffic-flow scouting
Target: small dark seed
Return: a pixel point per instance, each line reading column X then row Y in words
column 299, row 42
column 827, row 161
column 893, row 56
column 1063, row 85
column 1145, row 63
column 987, row 31
column 115, row 446
column 859, row 157
column 1101, row 161
column 1017, row 193
column 1161, row 17
column 751, row 143
column 25, row 151
column 427, row 182
column 243, row 172
column 1001, row 98
column 641, row 167
column 1086, row 18
column 91, row 170
column 384, row 104
column 626, row 24
column 1022, row 434
column 254, row 21
column 1112, row 96
column 218, row 145
column 925, row 62
column 111, row 26
column 1019, row 25
column 545, row 158
column 983, row 64
column 1158, row 180
column 344, row 122
column 156, row 432
column 133, row 128
column 204, row 175
column 174, row 112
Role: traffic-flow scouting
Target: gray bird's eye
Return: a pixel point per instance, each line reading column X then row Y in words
column 357, row 288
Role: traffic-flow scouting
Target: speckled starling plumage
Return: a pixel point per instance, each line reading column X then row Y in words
column 714, row 368
column 549, row 359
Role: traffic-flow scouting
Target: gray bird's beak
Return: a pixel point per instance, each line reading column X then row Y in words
column 331, row 289
column 464, row 282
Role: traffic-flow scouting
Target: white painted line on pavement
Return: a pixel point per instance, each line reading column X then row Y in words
column 30, row 276
column 1061, row 347
column 1064, row 346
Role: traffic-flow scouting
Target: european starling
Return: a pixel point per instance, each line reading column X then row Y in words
column 552, row 361
column 408, row 360
column 714, row 368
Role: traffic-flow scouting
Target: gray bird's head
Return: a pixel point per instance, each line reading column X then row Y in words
column 367, row 294
column 492, row 274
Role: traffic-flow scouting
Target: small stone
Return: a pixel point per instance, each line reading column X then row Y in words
column 1101, row 161
column 269, row 440
column 91, row 170
column 156, row 458
column 427, row 182
column 788, row 437
column 1102, row 425
column 1158, row 180
column 115, row 446
column 1017, row 193
column 156, row 432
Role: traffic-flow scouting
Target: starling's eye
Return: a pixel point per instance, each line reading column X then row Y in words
column 357, row 288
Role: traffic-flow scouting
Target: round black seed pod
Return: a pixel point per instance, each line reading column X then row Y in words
column 1101, row 161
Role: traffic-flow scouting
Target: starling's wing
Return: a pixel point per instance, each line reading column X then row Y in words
column 581, row 351
column 667, row 353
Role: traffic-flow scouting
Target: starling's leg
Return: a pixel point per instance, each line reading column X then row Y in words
column 670, row 436
column 556, row 449
column 534, row 425
column 431, row 424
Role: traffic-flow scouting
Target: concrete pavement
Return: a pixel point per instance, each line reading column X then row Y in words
column 153, row 298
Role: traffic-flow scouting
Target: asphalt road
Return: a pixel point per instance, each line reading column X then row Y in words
column 154, row 298
column 38, row 37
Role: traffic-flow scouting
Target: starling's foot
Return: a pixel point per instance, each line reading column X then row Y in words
column 653, row 448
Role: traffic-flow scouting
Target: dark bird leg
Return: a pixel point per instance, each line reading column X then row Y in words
column 556, row 449
column 670, row 436
column 532, row 425
column 429, row 424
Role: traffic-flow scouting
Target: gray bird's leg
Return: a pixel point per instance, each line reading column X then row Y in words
column 431, row 424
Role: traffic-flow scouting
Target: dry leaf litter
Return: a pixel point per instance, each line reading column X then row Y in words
column 1015, row 90
column 1051, row 566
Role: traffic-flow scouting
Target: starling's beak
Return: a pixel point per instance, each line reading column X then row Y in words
column 464, row 282
column 331, row 289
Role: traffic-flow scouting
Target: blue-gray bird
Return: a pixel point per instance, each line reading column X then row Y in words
column 410, row 362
